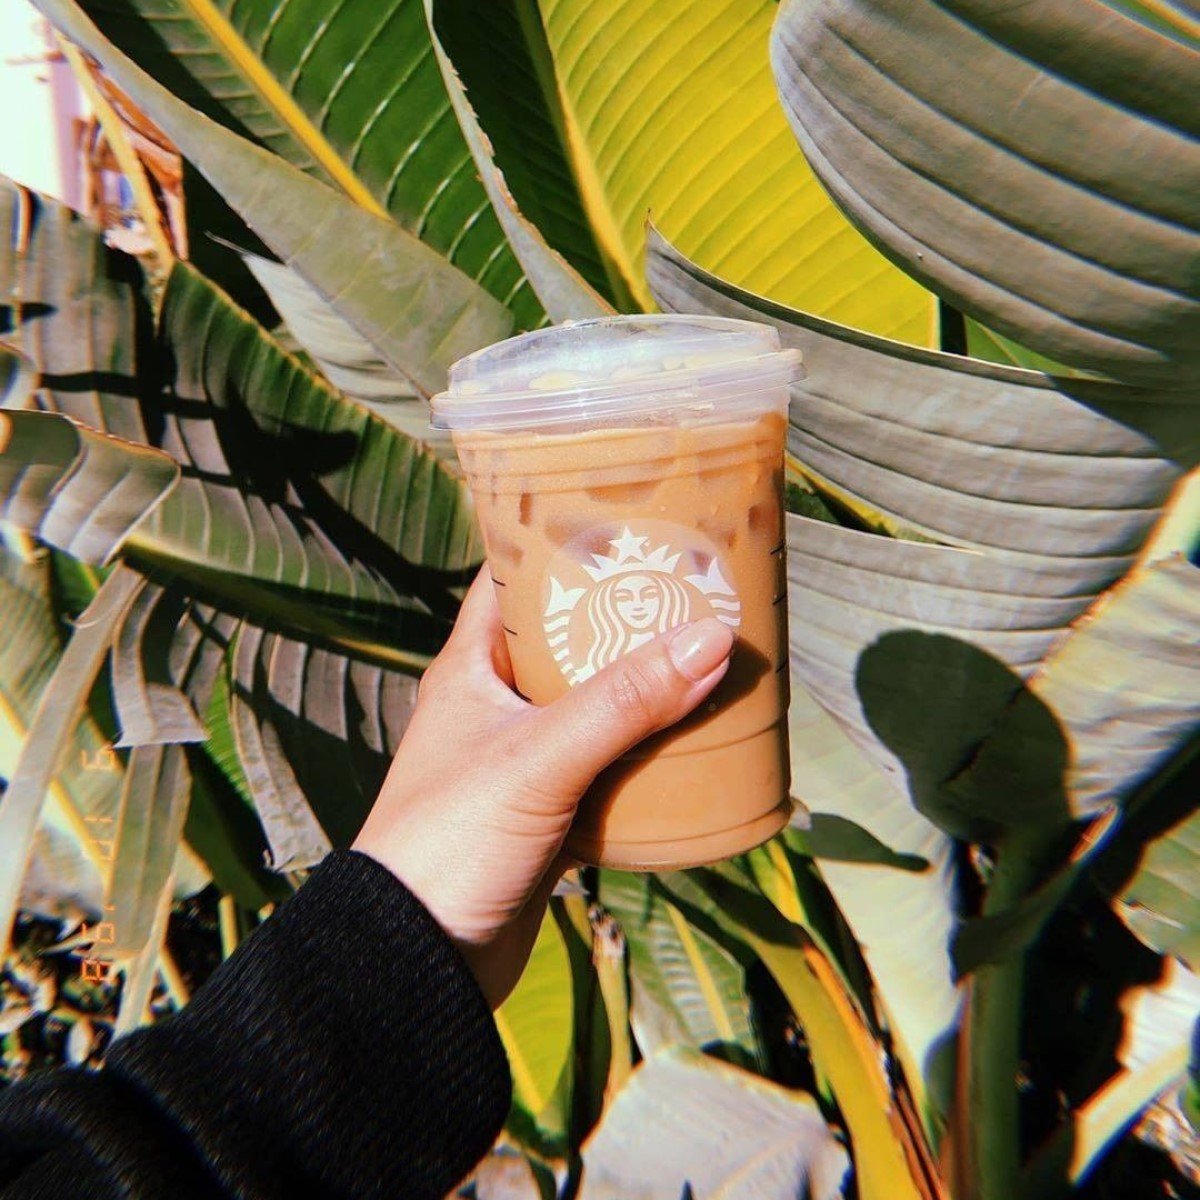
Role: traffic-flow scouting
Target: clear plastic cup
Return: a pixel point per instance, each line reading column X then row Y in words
column 628, row 476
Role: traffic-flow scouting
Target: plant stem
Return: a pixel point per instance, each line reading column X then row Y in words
column 172, row 977
column 986, row 1134
column 142, row 969
column 608, row 955
column 227, row 924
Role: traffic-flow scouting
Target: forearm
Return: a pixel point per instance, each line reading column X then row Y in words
column 344, row 1050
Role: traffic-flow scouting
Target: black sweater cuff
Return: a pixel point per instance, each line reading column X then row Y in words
column 344, row 1050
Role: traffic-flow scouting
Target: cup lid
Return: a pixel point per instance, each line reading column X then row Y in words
column 613, row 368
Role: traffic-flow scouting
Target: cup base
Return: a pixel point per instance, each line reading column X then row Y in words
column 678, row 854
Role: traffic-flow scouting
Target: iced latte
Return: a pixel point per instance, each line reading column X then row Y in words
column 628, row 477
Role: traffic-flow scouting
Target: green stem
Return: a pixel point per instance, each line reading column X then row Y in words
column 987, row 1132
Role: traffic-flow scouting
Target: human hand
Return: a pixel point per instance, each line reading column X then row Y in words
column 472, row 815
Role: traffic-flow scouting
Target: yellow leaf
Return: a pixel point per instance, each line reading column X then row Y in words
column 670, row 110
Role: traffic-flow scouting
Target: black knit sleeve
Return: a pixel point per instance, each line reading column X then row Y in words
column 344, row 1050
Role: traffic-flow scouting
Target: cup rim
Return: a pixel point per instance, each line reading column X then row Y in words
column 705, row 387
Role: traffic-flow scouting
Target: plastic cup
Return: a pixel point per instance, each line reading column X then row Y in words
column 628, row 477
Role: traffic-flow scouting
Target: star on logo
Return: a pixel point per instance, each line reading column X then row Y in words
column 631, row 555
column 627, row 546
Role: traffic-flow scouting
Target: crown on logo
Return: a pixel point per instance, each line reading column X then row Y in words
column 629, row 557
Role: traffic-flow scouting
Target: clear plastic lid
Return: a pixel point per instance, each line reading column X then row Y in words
column 607, row 370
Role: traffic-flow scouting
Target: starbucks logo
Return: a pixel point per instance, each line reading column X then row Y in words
column 599, row 606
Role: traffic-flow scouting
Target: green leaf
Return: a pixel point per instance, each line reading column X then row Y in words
column 293, row 832
column 843, row 1047
column 1126, row 683
column 1046, row 490
column 281, row 473
column 140, row 972
column 307, row 472
column 686, row 988
column 73, row 307
column 224, row 832
column 346, row 358
column 536, row 1025
column 350, row 96
column 950, row 134
column 49, row 735
column 76, row 489
column 995, row 347
column 420, row 312
column 154, row 804
column 66, row 873
column 526, row 128
column 1161, row 903
column 674, row 1125
column 1050, row 475
column 636, row 107
column 348, row 465
column 314, row 733
column 912, row 975
column 151, row 705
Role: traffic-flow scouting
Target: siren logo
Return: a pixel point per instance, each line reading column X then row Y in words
column 599, row 606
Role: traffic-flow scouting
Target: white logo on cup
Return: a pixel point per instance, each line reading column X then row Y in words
column 634, row 594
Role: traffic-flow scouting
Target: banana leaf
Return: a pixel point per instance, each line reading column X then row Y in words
column 686, row 988
column 1160, row 1019
column 75, row 489
column 417, row 309
column 1161, row 904
column 689, row 1125
column 76, row 311
column 987, row 150
column 903, row 920
column 49, row 736
column 149, row 827
column 603, row 113
column 351, row 97
column 536, row 1025
column 1042, row 490
column 66, row 873
column 564, row 293
column 152, row 707
column 889, row 1163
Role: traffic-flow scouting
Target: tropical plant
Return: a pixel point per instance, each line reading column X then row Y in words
column 231, row 545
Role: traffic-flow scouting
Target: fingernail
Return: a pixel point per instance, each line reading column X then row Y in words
column 697, row 649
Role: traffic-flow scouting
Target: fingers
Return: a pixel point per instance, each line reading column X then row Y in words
column 478, row 617
column 478, row 633
column 577, row 736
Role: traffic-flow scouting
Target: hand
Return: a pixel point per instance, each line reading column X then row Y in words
column 472, row 815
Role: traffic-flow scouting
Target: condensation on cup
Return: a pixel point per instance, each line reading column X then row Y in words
column 628, row 476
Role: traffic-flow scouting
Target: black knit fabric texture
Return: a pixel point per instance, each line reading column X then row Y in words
column 344, row 1050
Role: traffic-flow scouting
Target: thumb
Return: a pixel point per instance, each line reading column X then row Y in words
column 644, row 691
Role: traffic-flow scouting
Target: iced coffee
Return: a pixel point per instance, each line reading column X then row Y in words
column 628, row 478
